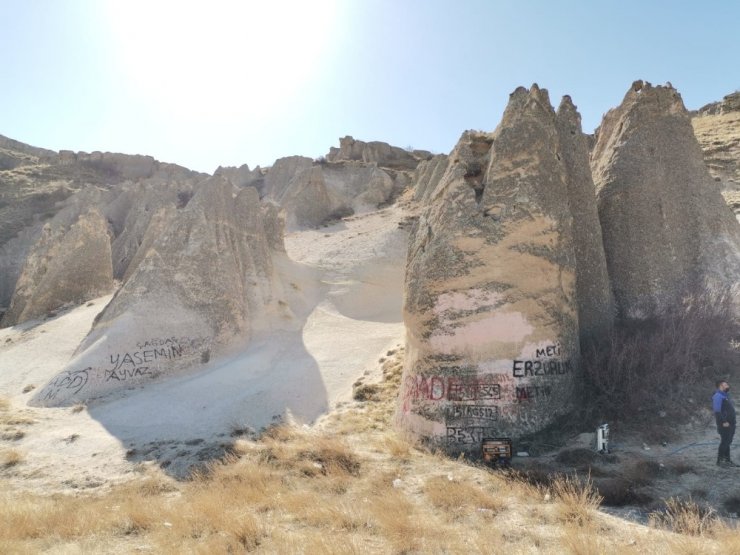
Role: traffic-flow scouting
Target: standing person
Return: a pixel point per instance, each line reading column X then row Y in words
column 724, row 413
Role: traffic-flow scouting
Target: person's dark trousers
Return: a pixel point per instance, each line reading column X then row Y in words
column 726, row 435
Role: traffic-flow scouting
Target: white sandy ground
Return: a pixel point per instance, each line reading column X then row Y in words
column 353, row 282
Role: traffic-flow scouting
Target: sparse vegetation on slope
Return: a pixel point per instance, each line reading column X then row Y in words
column 350, row 485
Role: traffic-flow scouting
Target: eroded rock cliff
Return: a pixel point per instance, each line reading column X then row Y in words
column 491, row 296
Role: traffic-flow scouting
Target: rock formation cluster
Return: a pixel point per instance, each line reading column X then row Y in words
column 527, row 244
column 527, row 247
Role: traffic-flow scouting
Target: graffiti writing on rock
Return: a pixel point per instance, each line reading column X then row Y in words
column 136, row 358
column 69, row 381
column 123, row 374
column 481, row 412
column 531, row 392
column 469, row 435
column 553, row 367
column 452, row 388
column 548, row 352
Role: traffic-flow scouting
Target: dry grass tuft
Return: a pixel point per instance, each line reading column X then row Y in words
column 686, row 517
column 78, row 407
column 11, row 457
column 28, row 388
column 577, row 500
column 12, row 435
column 455, row 497
column 312, row 456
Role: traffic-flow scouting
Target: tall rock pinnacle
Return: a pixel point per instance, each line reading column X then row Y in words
column 667, row 231
column 491, row 309
column 595, row 301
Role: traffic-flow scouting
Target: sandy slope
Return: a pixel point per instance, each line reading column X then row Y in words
column 348, row 282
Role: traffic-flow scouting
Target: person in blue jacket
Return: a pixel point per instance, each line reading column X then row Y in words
column 724, row 414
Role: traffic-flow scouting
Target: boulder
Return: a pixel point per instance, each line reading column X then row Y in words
column 667, row 232
column 490, row 308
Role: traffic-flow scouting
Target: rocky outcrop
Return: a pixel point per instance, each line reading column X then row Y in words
column 314, row 193
column 667, row 231
column 329, row 191
column 42, row 188
column 490, row 310
column 68, row 264
column 595, row 300
column 282, row 172
column 241, row 176
column 717, row 128
column 375, row 152
column 206, row 281
column 428, row 175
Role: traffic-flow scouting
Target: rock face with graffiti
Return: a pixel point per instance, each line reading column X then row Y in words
column 208, row 280
column 128, row 368
column 491, row 307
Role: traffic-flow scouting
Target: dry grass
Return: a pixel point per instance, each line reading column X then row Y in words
column 78, row 407
column 337, row 489
column 10, row 457
column 686, row 517
column 577, row 499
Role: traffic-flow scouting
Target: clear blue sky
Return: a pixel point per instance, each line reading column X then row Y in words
column 217, row 82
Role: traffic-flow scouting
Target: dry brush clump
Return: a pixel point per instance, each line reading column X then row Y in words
column 577, row 499
column 686, row 517
column 645, row 371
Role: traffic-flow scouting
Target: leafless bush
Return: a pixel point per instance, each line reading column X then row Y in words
column 649, row 370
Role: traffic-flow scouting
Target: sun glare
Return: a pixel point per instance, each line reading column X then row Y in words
column 219, row 60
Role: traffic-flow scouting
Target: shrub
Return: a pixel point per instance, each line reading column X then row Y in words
column 645, row 371
column 685, row 517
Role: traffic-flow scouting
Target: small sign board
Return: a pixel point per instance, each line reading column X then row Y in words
column 496, row 451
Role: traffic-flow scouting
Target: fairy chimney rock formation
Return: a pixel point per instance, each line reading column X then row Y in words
column 490, row 310
column 595, row 301
column 667, row 231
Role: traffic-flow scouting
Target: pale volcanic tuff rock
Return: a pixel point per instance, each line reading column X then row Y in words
column 330, row 191
column 667, row 231
column 241, row 176
column 491, row 310
column 313, row 193
column 206, row 281
column 69, row 263
column 428, row 175
column 595, row 299
column 382, row 154
column 717, row 128
column 36, row 185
